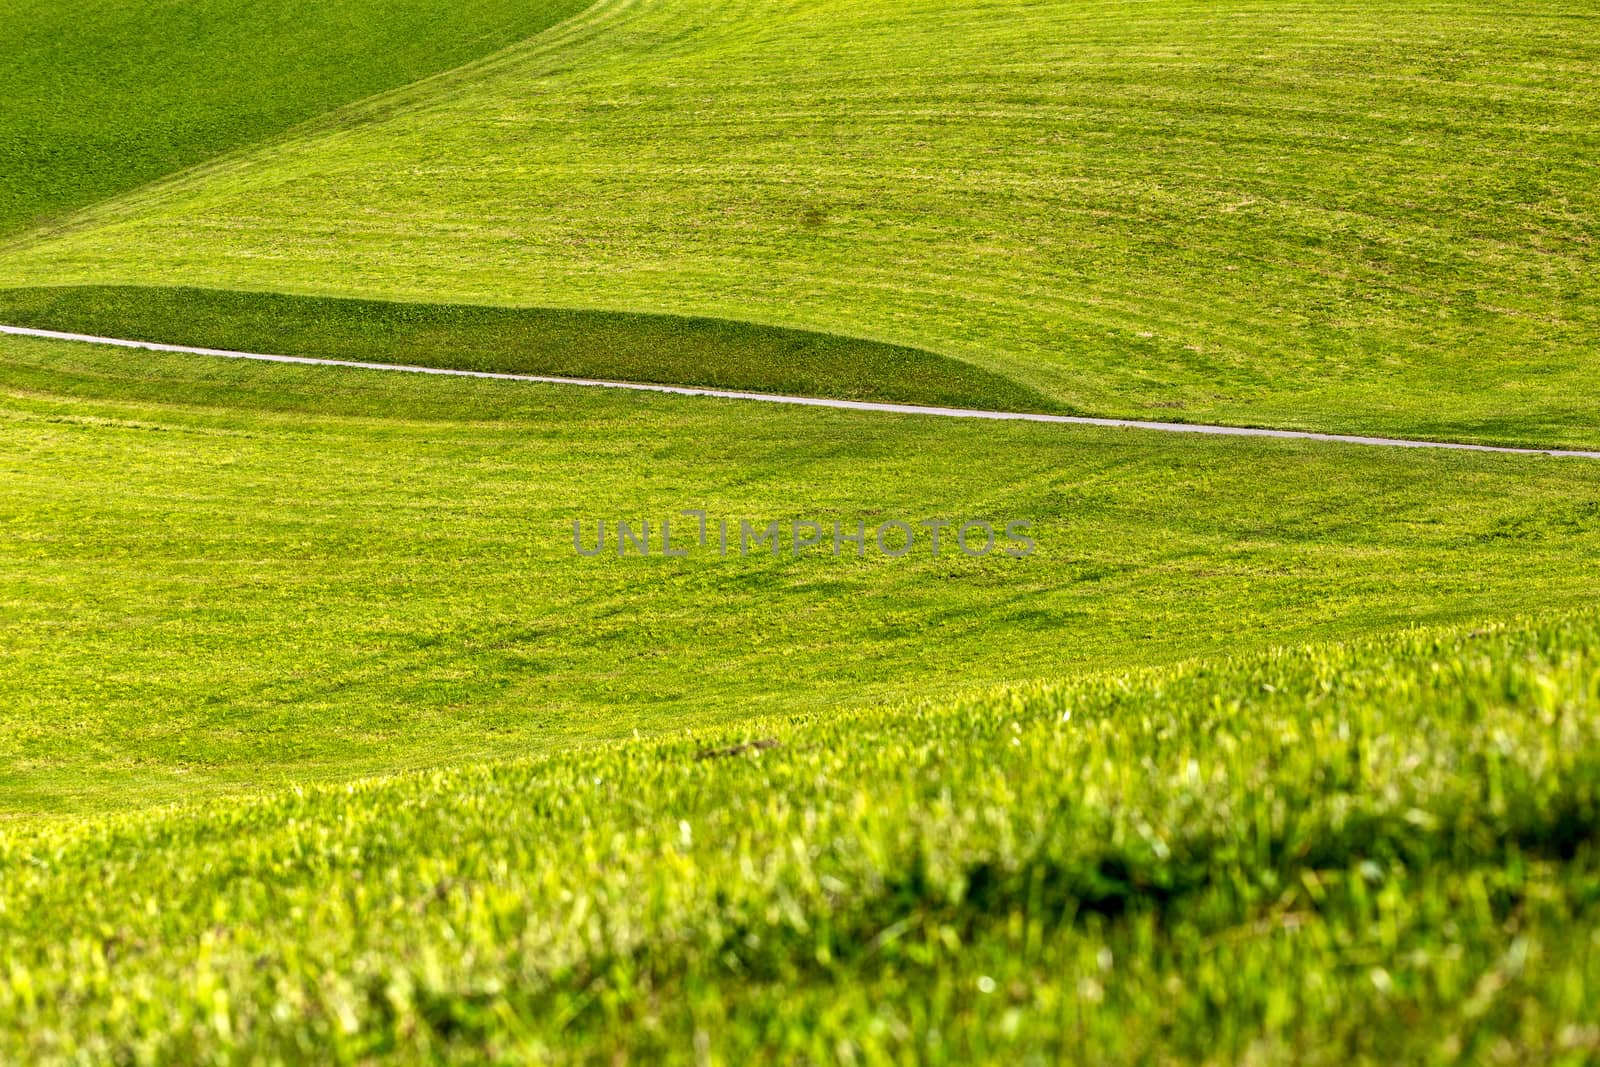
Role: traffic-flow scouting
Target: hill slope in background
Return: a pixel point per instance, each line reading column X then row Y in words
column 1331, row 216
column 102, row 96
column 1379, row 853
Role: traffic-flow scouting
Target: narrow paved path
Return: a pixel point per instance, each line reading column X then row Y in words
column 812, row 401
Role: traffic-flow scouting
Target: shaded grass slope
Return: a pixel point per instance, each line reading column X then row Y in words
column 102, row 96
column 584, row 344
column 218, row 576
column 1336, row 216
column 1383, row 852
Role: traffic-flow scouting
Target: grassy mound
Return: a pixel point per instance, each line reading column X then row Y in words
column 582, row 344
column 102, row 96
column 1336, row 216
column 1330, row 855
column 219, row 576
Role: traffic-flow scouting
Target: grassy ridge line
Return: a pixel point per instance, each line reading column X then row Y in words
column 106, row 95
column 546, row 341
column 592, row 19
column 1332, row 854
column 1330, row 217
column 220, row 577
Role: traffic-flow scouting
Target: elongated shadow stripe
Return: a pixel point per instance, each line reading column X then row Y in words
column 621, row 346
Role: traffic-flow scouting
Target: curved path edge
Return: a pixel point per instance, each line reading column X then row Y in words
column 811, row 401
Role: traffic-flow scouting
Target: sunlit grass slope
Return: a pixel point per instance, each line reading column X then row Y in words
column 1335, row 215
column 1376, row 854
column 222, row 576
column 102, row 96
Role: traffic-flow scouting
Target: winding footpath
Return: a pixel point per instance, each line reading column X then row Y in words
column 810, row 401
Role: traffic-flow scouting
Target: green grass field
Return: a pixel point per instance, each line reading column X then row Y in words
column 1380, row 852
column 224, row 574
column 1331, row 216
column 105, row 96
column 321, row 742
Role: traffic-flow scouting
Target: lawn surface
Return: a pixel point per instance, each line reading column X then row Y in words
column 1332, row 216
column 103, row 96
column 219, row 576
column 321, row 740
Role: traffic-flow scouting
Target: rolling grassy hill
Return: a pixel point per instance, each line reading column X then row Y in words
column 1377, row 853
column 103, row 96
column 320, row 742
column 229, row 575
column 219, row 576
column 1331, row 216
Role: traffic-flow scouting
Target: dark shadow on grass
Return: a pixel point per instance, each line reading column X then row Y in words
column 620, row 346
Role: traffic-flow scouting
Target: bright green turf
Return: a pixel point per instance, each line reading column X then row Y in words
column 102, row 96
column 583, row 344
column 1335, row 215
column 1164, row 838
column 1380, row 854
column 219, row 575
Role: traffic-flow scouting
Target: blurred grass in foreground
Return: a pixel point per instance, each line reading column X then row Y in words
column 1382, row 851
